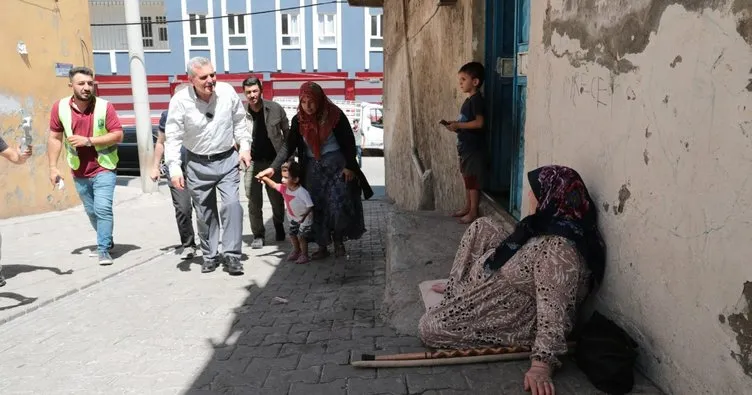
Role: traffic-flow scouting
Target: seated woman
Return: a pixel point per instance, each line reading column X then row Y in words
column 525, row 288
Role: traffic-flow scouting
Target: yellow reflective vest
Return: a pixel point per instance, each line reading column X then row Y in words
column 107, row 155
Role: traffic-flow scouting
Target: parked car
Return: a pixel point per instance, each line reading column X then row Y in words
column 128, row 150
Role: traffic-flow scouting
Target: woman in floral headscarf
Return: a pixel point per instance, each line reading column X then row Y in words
column 525, row 288
column 323, row 138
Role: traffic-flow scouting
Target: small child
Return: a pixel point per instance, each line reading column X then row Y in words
column 299, row 209
column 471, row 138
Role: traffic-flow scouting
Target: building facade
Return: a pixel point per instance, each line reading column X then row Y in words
column 651, row 102
column 241, row 36
column 40, row 77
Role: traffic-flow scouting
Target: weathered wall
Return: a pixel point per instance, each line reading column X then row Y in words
column 651, row 101
column 54, row 32
column 439, row 41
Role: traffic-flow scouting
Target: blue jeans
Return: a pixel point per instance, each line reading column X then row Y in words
column 96, row 194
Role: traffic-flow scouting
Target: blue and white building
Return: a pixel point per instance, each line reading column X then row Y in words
column 240, row 36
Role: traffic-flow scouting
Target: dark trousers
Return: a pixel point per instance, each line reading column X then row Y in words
column 181, row 200
column 253, row 191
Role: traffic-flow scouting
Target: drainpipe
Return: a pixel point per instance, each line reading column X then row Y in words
column 426, row 201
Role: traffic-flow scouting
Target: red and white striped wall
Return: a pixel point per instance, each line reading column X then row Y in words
column 365, row 87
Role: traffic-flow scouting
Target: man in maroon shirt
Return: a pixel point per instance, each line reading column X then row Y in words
column 89, row 129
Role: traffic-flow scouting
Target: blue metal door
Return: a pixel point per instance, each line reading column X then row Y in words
column 507, row 36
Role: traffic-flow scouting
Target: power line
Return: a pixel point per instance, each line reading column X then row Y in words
column 224, row 16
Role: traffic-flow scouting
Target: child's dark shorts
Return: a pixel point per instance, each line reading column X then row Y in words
column 300, row 231
column 471, row 167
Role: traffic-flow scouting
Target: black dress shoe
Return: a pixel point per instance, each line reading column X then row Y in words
column 208, row 267
column 234, row 267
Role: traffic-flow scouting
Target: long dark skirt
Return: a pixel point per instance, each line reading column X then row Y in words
column 337, row 207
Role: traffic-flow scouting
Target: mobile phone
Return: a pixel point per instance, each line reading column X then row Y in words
column 443, row 122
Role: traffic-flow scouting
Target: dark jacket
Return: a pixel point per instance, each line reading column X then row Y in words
column 342, row 133
column 275, row 120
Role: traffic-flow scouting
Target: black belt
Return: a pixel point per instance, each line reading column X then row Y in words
column 213, row 157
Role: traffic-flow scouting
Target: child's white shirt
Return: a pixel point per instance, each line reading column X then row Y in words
column 297, row 203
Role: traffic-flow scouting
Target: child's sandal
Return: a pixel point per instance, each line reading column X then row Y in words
column 293, row 256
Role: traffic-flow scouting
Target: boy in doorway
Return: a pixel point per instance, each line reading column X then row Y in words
column 471, row 138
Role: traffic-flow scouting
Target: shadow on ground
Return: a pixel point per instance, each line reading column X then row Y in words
column 20, row 299
column 118, row 251
column 10, row 271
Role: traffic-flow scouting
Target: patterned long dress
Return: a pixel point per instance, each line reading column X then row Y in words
column 531, row 301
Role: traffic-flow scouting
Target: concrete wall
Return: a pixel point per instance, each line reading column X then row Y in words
column 440, row 41
column 59, row 34
column 651, row 101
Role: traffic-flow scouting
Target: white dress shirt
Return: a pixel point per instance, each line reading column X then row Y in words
column 188, row 124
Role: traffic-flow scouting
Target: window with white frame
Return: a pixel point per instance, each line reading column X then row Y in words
column 162, row 28
column 327, row 30
column 290, row 30
column 197, row 29
column 376, row 35
column 236, row 30
column 147, row 33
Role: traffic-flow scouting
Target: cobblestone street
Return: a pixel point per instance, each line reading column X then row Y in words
column 153, row 324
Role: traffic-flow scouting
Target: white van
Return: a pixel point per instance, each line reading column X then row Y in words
column 372, row 125
column 370, row 116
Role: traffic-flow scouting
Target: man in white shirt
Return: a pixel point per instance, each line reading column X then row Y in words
column 208, row 119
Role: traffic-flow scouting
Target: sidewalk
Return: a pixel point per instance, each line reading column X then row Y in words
column 45, row 257
column 420, row 247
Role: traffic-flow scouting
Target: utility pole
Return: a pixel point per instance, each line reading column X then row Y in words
column 140, row 91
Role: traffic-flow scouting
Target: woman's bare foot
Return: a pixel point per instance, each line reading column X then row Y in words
column 439, row 288
column 461, row 213
column 468, row 218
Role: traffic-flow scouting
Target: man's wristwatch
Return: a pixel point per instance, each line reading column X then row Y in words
column 88, row 142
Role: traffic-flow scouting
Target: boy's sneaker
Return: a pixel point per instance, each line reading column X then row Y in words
column 258, row 242
column 105, row 259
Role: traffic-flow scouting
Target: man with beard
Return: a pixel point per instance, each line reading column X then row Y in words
column 208, row 119
column 89, row 129
column 269, row 127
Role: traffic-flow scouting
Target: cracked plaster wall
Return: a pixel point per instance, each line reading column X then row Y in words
column 652, row 103
column 60, row 34
column 441, row 40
